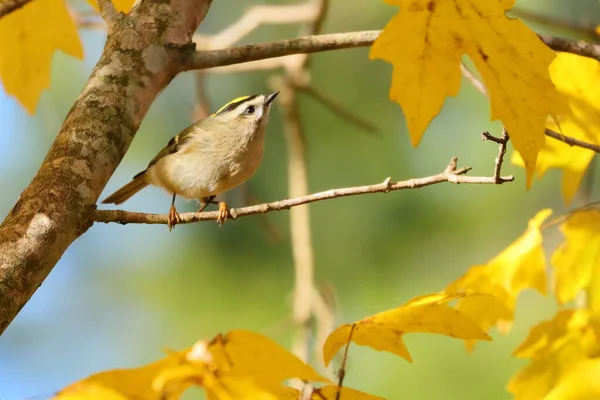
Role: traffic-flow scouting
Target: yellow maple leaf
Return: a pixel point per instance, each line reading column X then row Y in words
column 520, row 266
column 121, row 5
column 579, row 383
column 577, row 261
column 554, row 347
column 28, row 38
column 575, row 77
column 425, row 42
column 240, row 365
column 121, row 384
column 383, row 331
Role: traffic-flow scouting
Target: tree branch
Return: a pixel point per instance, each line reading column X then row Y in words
column 8, row 6
column 137, row 63
column 571, row 141
column 302, row 45
column 452, row 174
column 108, row 11
column 579, row 47
column 337, row 41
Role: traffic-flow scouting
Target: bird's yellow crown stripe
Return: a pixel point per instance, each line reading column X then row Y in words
column 236, row 100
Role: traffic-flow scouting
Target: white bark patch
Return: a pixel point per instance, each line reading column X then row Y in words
column 37, row 230
column 84, row 191
column 155, row 58
column 114, row 67
column 80, row 168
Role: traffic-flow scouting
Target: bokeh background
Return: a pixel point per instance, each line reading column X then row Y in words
column 121, row 294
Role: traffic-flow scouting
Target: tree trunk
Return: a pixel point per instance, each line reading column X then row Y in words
column 144, row 51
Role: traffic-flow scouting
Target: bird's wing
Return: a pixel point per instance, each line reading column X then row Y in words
column 174, row 144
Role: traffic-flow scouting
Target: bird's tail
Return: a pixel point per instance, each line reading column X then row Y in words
column 138, row 183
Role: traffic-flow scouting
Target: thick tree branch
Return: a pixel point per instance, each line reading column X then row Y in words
column 302, row 45
column 8, row 6
column 143, row 52
column 452, row 174
column 337, row 41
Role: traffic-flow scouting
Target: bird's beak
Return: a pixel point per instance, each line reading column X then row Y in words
column 270, row 98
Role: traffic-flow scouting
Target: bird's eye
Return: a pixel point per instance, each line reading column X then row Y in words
column 249, row 110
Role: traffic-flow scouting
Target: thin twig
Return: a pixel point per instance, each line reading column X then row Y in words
column 259, row 15
column 502, row 142
column 571, row 141
column 451, row 175
column 8, row 6
column 589, row 31
column 296, row 73
column 475, row 81
column 564, row 217
column 342, row 371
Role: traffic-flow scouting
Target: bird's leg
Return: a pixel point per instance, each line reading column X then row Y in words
column 174, row 218
column 223, row 213
column 205, row 202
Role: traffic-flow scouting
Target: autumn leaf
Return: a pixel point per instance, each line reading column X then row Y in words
column 28, row 38
column 425, row 42
column 121, row 384
column 555, row 348
column 577, row 261
column 330, row 392
column 520, row 266
column 121, row 5
column 579, row 383
column 384, row 331
column 575, row 77
column 240, row 365
column 248, row 366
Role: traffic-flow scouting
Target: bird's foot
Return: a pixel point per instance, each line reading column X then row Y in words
column 174, row 218
column 223, row 213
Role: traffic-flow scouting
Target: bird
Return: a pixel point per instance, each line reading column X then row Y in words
column 209, row 157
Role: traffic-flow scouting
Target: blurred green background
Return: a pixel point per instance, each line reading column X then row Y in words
column 121, row 294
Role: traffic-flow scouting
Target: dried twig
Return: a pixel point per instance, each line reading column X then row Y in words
column 259, row 15
column 342, row 371
column 452, row 175
column 502, row 141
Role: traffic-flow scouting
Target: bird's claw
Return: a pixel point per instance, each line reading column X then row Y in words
column 223, row 213
column 174, row 218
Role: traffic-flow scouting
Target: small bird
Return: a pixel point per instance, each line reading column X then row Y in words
column 211, row 156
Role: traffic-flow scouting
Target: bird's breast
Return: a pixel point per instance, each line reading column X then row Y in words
column 201, row 170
